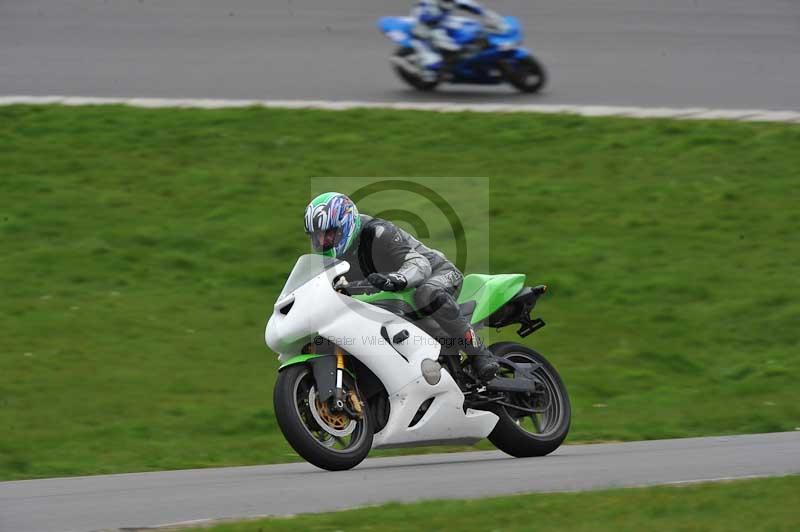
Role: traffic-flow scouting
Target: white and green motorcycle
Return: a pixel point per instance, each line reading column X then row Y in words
column 361, row 369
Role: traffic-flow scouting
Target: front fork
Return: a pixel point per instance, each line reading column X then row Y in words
column 328, row 371
column 338, row 393
column 348, row 402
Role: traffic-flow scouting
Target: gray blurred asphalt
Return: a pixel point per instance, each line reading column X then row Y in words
column 736, row 54
column 149, row 499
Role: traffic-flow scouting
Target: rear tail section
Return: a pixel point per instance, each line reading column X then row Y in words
column 490, row 292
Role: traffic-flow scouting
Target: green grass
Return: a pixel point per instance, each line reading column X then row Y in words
column 141, row 252
column 754, row 505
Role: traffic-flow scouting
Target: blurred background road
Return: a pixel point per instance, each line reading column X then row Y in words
column 679, row 53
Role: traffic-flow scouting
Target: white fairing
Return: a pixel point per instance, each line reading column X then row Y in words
column 443, row 422
column 317, row 309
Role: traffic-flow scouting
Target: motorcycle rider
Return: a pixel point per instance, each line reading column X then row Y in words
column 435, row 49
column 389, row 258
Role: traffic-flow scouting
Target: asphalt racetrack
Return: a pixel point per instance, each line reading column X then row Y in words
column 150, row 499
column 731, row 54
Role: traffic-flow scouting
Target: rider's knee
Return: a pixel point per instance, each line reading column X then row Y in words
column 431, row 298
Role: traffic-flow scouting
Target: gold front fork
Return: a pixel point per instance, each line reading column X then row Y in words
column 355, row 402
column 339, row 392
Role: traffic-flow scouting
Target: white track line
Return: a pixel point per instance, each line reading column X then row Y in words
column 692, row 113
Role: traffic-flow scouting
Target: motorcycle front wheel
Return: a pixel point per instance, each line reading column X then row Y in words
column 328, row 439
column 526, row 75
column 530, row 424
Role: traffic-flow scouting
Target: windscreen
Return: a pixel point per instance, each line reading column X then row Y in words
column 307, row 267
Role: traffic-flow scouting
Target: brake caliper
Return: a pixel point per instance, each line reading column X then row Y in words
column 355, row 403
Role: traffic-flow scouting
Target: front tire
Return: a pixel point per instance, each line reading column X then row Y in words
column 520, row 433
column 412, row 80
column 526, row 75
column 337, row 445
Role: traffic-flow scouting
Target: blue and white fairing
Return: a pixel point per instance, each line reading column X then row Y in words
column 398, row 29
column 462, row 30
column 512, row 37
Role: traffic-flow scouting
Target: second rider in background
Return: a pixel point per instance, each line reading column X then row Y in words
column 436, row 51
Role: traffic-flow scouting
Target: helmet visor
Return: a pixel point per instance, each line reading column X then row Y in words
column 326, row 239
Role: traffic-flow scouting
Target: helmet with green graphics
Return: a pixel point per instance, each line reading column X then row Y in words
column 332, row 223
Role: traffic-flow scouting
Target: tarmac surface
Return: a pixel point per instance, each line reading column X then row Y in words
column 729, row 54
column 149, row 499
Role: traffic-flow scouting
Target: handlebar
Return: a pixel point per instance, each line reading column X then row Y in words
column 355, row 288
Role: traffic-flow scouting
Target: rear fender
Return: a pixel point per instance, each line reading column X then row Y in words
column 518, row 310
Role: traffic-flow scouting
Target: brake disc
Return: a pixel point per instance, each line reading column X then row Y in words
column 334, row 423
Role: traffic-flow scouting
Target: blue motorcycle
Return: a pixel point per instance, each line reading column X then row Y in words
column 485, row 58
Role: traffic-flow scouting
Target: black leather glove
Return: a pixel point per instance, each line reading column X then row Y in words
column 391, row 282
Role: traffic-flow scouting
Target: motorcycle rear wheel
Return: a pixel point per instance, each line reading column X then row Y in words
column 412, row 80
column 322, row 437
column 523, row 434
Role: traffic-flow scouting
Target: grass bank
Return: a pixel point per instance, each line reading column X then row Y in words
column 142, row 251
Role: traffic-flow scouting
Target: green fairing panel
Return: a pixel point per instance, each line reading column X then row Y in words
column 298, row 359
column 404, row 295
column 490, row 292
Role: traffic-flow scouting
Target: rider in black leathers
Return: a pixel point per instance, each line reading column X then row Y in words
column 391, row 259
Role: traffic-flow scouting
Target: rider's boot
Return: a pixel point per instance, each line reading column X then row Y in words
column 484, row 363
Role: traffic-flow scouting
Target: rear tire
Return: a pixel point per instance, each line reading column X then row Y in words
column 293, row 417
column 526, row 75
column 509, row 435
column 412, row 80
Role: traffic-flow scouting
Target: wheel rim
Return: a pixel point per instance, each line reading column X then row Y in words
column 549, row 400
column 336, row 424
column 531, row 78
column 326, row 428
column 528, row 75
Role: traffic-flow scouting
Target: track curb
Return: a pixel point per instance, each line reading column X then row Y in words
column 690, row 113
